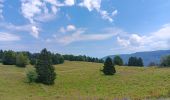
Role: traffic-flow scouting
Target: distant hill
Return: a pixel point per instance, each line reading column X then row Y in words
column 149, row 56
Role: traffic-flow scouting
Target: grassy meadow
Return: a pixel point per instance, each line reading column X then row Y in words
column 84, row 81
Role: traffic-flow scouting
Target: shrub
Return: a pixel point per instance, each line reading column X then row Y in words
column 108, row 68
column 21, row 60
column 31, row 75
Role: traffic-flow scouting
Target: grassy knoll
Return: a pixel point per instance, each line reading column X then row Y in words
column 84, row 81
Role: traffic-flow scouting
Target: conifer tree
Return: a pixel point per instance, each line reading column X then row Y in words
column 45, row 70
column 118, row 61
column 108, row 68
column 140, row 62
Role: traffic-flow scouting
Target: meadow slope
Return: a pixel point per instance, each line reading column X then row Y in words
column 84, row 81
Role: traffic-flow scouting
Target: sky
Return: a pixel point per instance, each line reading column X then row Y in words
column 85, row 27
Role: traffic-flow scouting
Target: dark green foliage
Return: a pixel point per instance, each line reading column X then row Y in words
column 1, row 55
column 9, row 58
column 108, row 68
column 33, row 58
column 45, row 70
column 82, row 58
column 165, row 61
column 134, row 61
column 140, row 62
column 21, row 60
column 57, row 59
column 118, row 60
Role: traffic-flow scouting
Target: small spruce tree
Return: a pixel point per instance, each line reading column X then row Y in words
column 108, row 68
column 45, row 70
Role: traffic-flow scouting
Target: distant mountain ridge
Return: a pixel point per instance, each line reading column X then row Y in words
column 148, row 56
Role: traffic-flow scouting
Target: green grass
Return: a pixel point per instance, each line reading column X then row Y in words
column 84, row 81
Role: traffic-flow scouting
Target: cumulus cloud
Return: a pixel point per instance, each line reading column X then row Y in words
column 96, row 5
column 91, row 4
column 33, row 10
column 159, row 39
column 4, row 37
column 41, row 11
column 1, row 8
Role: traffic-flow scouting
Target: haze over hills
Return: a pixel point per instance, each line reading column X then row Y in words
column 149, row 56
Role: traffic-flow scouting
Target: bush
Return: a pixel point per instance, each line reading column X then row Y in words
column 108, row 68
column 31, row 75
column 21, row 60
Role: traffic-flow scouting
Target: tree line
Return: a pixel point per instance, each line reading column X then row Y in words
column 82, row 58
column 133, row 61
column 24, row 57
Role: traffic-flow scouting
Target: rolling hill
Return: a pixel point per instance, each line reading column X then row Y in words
column 150, row 56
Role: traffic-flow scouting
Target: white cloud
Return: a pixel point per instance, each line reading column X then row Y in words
column 8, row 37
column 123, row 42
column 96, row 5
column 80, row 34
column 91, row 4
column 69, row 2
column 35, row 31
column 42, row 11
column 114, row 13
column 1, row 9
column 69, row 28
column 159, row 39
column 32, row 29
column 105, row 15
column 37, row 10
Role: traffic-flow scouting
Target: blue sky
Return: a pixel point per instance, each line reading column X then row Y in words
column 91, row 27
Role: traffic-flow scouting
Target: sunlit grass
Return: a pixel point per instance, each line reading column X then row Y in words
column 83, row 80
